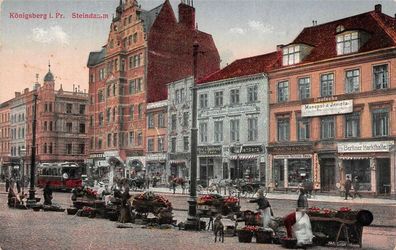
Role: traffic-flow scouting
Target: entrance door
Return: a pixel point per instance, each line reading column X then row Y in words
column 383, row 176
column 327, row 174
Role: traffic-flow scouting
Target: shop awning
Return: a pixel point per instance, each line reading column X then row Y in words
column 353, row 157
column 177, row 161
column 244, row 157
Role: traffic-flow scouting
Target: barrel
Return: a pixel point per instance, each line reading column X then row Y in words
column 364, row 217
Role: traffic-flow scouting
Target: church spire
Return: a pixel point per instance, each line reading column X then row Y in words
column 49, row 66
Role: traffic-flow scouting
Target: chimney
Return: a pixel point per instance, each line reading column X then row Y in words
column 26, row 90
column 17, row 94
column 378, row 8
column 187, row 15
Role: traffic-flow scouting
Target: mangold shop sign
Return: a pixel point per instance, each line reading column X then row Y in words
column 327, row 108
column 364, row 147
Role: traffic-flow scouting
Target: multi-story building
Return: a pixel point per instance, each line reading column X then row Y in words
column 5, row 151
column 18, row 128
column 145, row 50
column 61, row 123
column 156, row 139
column 179, row 127
column 233, row 120
column 332, row 106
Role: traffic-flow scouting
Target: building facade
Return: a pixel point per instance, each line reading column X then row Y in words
column 145, row 51
column 233, row 121
column 5, row 137
column 332, row 106
column 179, row 128
column 156, row 139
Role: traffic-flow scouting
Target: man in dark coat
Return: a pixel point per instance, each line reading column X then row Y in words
column 47, row 193
column 302, row 201
column 348, row 186
column 7, row 184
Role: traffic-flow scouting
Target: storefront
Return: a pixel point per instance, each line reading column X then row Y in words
column 368, row 161
column 156, row 166
column 179, row 165
column 246, row 162
column 210, row 163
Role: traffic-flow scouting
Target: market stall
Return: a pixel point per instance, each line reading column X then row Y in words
column 148, row 202
column 210, row 205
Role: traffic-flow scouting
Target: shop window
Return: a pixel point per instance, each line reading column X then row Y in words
column 361, row 170
column 380, row 122
column 352, row 125
column 298, row 171
column 278, row 173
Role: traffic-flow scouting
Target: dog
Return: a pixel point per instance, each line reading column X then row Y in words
column 218, row 229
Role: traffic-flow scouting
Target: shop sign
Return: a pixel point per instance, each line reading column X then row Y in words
column 290, row 149
column 252, row 149
column 210, row 150
column 364, row 147
column 96, row 156
column 134, row 153
column 156, row 157
column 327, row 108
column 111, row 153
column 297, row 156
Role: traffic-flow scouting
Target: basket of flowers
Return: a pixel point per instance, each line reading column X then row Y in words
column 322, row 212
column 246, row 233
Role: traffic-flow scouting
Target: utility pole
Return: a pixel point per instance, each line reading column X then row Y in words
column 32, row 199
column 193, row 222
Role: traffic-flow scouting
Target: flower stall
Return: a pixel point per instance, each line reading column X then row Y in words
column 85, row 197
column 339, row 225
column 159, row 206
column 209, row 205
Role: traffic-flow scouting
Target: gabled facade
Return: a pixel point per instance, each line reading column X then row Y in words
column 332, row 106
column 145, row 51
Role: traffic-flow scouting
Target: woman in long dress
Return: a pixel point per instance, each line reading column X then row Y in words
column 298, row 225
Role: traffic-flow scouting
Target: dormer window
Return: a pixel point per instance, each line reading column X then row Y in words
column 348, row 42
column 291, row 55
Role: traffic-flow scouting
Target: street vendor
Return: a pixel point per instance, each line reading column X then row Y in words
column 264, row 207
column 298, row 225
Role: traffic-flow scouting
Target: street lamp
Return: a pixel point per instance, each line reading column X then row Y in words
column 22, row 154
column 237, row 149
column 31, row 202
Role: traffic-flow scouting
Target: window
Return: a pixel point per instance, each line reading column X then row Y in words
column 100, row 143
column 348, row 43
column 291, row 55
column 380, row 76
column 161, row 120
column 131, row 138
column 100, row 96
column 173, row 144
column 50, row 148
column 283, row 129
column 234, row 130
column 174, row 122
column 69, row 148
column 185, row 120
column 69, row 107
column 177, row 96
column 114, row 114
column 203, row 132
column 150, row 120
column 218, row 131
column 100, row 119
column 252, row 93
column 352, row 81
column 234, row 96
column 114, row 89
column 160, row 142
column 135, row 36
column 219, row 99
column 185, row 143
column 131, row 112
column 115, row 141
column 327, row 127
column 326, row 84
column 108, row 140
column 150, row 144
column 381, row 122
column 82, row 128
column 81, row 148
column 140, row 111
column 45, row 128
column 304, row 87
column 303, row 129
column 139, row 138
column 82, row 109
column 352, row 125
column 136, row 61
column 182, row 95
column 91, row 121
column 203, row 101
column 252, row 129
column 69, row 127
column 45, row 148
column 283, row 91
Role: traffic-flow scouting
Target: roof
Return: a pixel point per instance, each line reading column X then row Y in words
column 148, row 17
column 96, row 57
column 379, row 26
column 244, row 67
column 49, row 77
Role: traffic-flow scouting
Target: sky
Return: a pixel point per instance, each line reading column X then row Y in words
column 240, row 28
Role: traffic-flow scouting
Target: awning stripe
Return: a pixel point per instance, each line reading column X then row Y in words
column 244, row 157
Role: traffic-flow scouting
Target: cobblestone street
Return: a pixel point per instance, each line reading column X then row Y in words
column 25, row 229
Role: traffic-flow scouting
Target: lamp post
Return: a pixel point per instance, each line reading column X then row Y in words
column 22, row 154
column 32, row 199
column 238, row 149
column 193, row 222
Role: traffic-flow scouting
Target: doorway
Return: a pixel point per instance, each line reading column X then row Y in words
column 327, row 174
column 383, row 176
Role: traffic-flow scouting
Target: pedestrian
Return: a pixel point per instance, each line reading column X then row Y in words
column 7, row 184
column 47, row 193
column 356, row 187
column 174, row 185
column 124, row 212
column 348, row 186
column 148, row 180
column 302, row 201
column 264, row 208
column 18, row 184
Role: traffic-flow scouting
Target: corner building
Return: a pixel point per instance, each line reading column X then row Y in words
column 332, row 106
column 145, row 50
